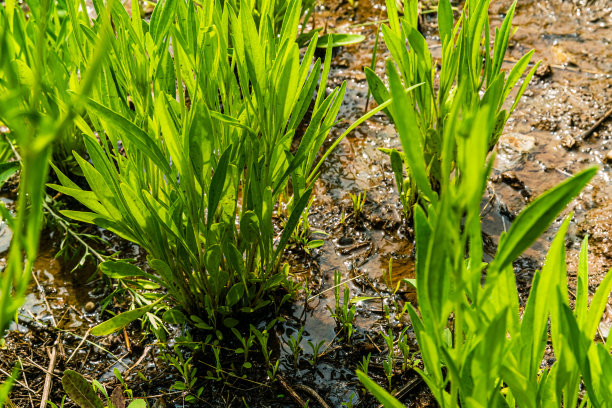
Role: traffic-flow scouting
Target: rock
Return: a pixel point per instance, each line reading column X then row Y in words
column 513, row 149
column 569, row 142
column 543, row 71
column 90, row 307
column 608, row 158
column 517, row 142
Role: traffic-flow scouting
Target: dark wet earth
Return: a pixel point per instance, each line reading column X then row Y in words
column 550, row 136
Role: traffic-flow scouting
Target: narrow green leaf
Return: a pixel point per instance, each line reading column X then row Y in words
column 216, row 186
column 292, row 222
column 445, row 20
column 582, row 285
column 339, row 40
column 409, row 131
column 121, row 320
column 121, row 270
column 7, row 170
column 133, row 134
column 377, row 88
column 381, row 395
column 598, row 305
column 536, row 218
column 80, row 390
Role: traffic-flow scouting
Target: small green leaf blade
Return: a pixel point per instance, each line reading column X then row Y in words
column 121, row 320
column 536, row 218
column 381, row 395
column 80, row 391
column 7, row 170
column 339, row 40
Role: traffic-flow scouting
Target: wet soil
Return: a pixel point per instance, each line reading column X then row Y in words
column 544, row 142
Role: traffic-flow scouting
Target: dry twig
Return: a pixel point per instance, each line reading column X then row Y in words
column 291, row 391
column 52, row 351
column 313, row 394
column 593, row 128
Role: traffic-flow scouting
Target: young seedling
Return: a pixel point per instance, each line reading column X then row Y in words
column 272, row 371
column 349, row 403
column 217, row 375
column 262, row 338
column 389, row 362
column 247, row 343
column 358, row 201
column 345, row 311
column 296, row 349
column 315, row 351
column 365, row 363
column 303, row 233
column 402, row 344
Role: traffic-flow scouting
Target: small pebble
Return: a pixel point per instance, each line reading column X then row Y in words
column 608, row 158
column 543, row 71
column 569, row 142
column 90, row 307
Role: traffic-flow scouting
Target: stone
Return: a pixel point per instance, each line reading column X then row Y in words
column 569, row 142
column 543, row 71
column 513, row 149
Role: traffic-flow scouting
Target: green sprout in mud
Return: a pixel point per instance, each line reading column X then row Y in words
column 315, row 347
column 364, row 364
column 217, row 374
column 262, row 338
column 247, row 343
column 358, row 201
column 350, row 403
column 189, row 373
column 400, row 309
column 273, row 370
column 342, row 217
column 389, row 362
column 409, row 361
column 303, row 233
column 344, row 313
column 294, row 346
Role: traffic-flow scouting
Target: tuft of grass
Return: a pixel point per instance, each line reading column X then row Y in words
column 37, row 111
column 477, row 348
column 189, row 134
column 470, row 77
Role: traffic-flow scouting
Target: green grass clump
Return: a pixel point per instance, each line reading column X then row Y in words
column 38, row 107
column 468, row 63
column 189, row 134
column 477, row 346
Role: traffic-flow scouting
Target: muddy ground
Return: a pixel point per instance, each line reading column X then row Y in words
column 550, row 136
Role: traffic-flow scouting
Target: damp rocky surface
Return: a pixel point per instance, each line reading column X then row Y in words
column 559, row 128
